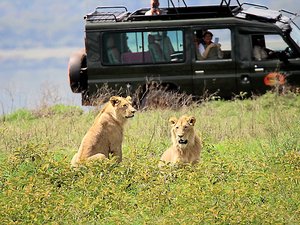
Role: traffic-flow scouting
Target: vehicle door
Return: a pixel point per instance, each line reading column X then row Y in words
column 215, row 75
column 143, row 56
column 273, row 62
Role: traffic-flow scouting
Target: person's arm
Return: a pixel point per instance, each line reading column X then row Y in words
column 115, row 55
column 256, row 53
column 220, row 52
column 197, row 50
column 204, row 51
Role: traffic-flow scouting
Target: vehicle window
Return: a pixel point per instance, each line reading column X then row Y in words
column 212, row 44
column 266, row 47
column 295, row 34
column 142, row 47
column 275, row 42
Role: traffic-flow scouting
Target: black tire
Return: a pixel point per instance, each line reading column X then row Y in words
column 77, row 71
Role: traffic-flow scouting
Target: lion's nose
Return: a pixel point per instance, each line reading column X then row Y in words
column 180, row 135
column 133, row 110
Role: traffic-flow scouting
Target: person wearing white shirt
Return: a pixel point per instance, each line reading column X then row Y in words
column 259, row 52
column 209, row 49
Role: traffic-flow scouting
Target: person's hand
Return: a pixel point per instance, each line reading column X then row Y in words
column 270, row 53
column 212, row 45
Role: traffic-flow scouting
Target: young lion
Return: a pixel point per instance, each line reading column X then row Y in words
column 106, row 134
column 186, row 144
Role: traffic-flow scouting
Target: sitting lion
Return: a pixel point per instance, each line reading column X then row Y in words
column 186, row 144
column 106, row 134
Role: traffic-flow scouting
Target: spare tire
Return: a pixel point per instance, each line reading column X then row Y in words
column 77, row 71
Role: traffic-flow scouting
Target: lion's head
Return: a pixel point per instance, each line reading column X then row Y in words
column 182, row 130
column 123, row 106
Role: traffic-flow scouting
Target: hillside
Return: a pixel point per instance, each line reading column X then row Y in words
column 248, row 174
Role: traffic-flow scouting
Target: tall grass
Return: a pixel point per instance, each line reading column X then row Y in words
column 249, row 171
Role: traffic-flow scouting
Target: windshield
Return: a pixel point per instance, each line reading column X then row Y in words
column 295, row 33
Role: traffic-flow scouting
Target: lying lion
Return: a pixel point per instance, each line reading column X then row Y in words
column 186, row 144
column 106, row 134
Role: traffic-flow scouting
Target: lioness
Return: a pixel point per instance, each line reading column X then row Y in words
column 186, row 144
column 106, row 134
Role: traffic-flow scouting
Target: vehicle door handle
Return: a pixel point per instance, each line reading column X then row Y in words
column 199, row 71
column 259, row 69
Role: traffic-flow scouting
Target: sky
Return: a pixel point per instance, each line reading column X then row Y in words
column 37, row 38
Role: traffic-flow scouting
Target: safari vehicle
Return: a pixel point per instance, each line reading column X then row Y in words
column 125, row 50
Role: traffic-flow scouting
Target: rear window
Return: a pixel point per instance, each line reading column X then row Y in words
column 142, row 47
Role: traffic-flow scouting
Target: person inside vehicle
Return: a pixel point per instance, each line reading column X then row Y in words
column 260, row 52
column 196, row 40
column 166, row 45
column 154, row 10
column 113, row 53
column 155, row 50
column 209, row 49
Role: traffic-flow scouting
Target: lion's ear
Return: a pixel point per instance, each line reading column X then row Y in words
column 173, row 120
column 128, row 98
column 192, row 120
column 114, row 100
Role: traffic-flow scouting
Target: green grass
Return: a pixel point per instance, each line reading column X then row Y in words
column 249, row 171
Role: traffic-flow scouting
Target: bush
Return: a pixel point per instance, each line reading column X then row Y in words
column 248, row 173
column 20, row 114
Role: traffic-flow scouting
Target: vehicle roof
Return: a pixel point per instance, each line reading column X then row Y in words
column 224, row 11
column 173, row 24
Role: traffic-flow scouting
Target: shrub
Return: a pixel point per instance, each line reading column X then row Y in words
column 248, row 173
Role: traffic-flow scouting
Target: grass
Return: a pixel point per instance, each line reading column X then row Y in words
column 249, row 171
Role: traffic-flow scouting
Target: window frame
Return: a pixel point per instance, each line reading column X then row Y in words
column 143, row 54
column 267, row 37
column 229, row 52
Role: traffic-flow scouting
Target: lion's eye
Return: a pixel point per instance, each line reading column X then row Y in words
column 176, row 127
column 185, row 127
column 124, row 106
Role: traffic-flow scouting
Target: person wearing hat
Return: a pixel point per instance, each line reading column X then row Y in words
column 209, row 49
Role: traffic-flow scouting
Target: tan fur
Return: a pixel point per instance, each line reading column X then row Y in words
column 106, row 134
column 186, row 145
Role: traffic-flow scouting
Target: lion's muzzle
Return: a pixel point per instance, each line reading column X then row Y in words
column 182, row 142
column 131, row 114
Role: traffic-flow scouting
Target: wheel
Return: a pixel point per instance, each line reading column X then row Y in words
column 77, row 71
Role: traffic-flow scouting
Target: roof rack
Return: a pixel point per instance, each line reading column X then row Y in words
column 120, row 13
column 258, row 12
column 228, row 3
column 104, row 14
column 224, row 9
column 290, row 13
column 223, row 2
column 193, row 12
column 172, row 3
column 248, row 11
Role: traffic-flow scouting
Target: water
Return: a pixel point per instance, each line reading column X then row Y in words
column 29, row 82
